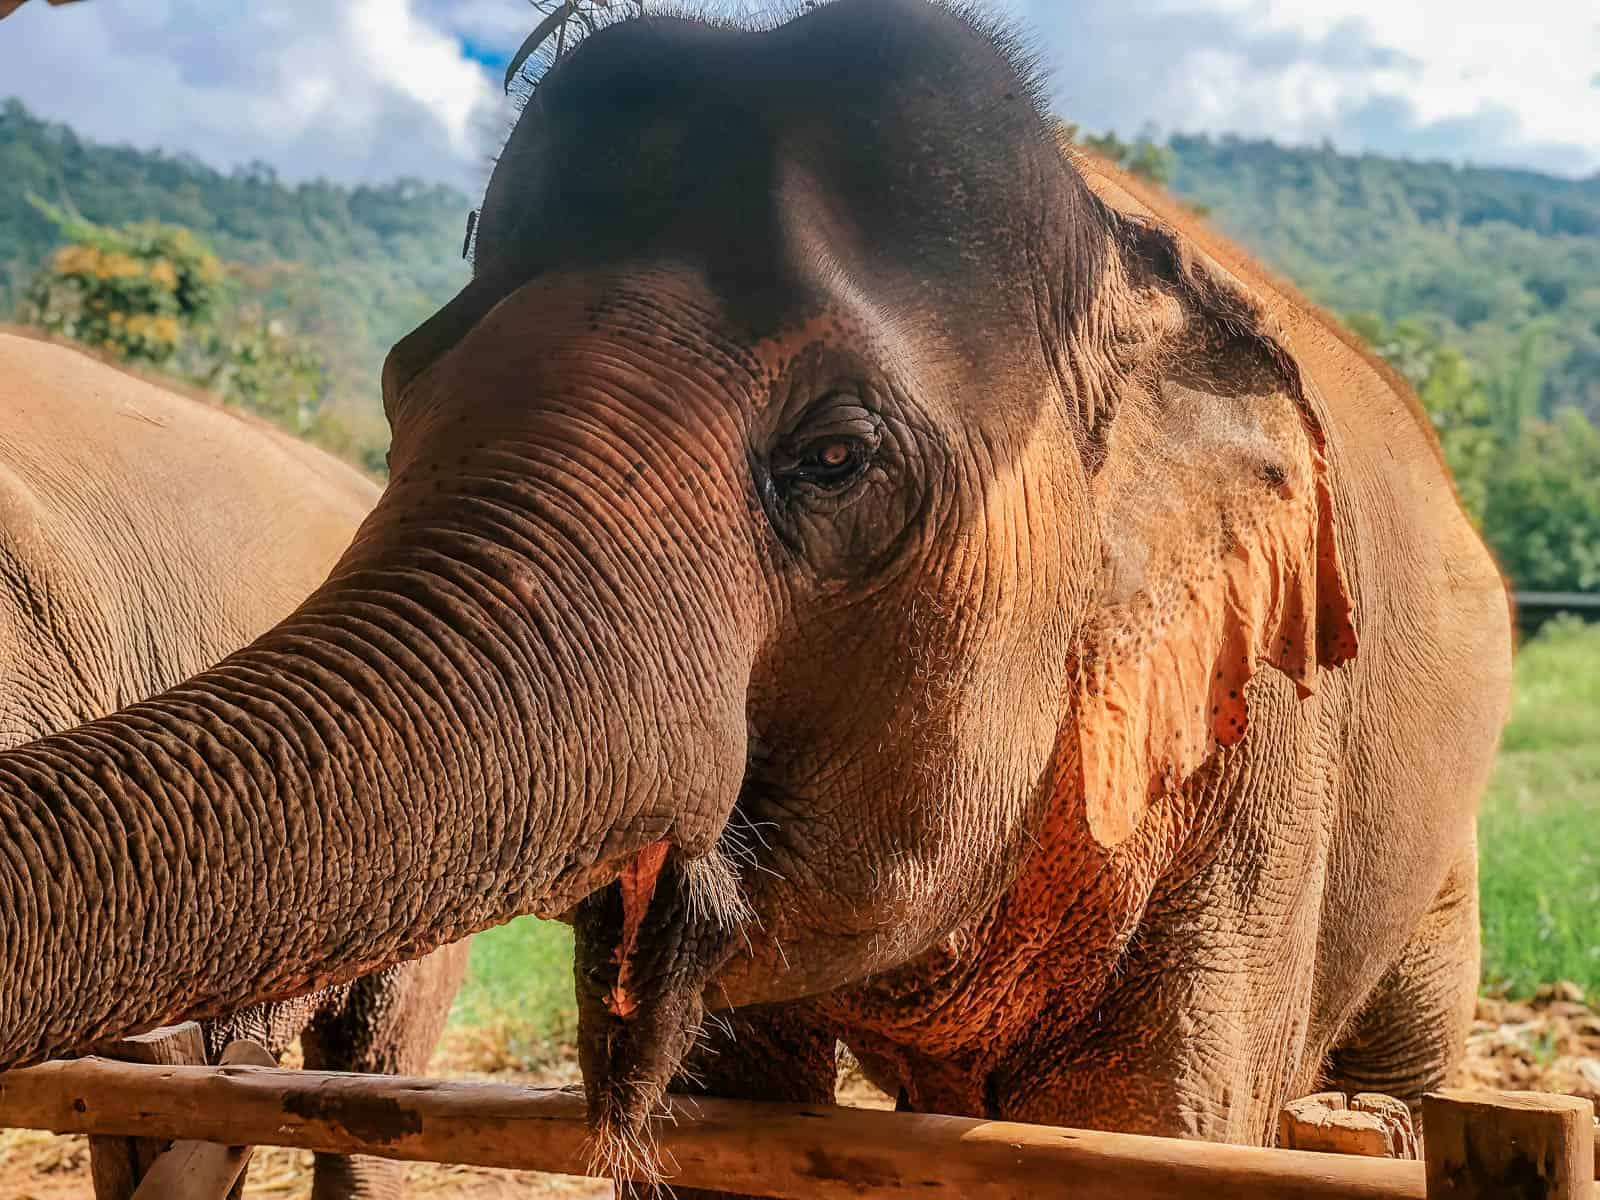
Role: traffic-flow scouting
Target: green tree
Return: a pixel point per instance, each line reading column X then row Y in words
column 1144, row 157
column 252, row 357
column 1532, row 485
column 1543, row 511
column 254, row 362
column 153, row 294
column 1516, row 385
column 136, row 291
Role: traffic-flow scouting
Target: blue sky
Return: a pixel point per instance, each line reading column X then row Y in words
column 369, row 89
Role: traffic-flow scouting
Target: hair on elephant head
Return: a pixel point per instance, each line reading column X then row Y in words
column 939, row 496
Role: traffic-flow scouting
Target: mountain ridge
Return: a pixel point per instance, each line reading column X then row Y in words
column 1487, row 257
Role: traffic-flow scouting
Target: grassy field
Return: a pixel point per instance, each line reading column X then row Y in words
column 516, row 1006
column 1539, row 839
column 1540, row 853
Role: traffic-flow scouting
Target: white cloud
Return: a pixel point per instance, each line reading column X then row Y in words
column 368, row 89
column 488, row 22
column 350, row 89
column 1469, row 80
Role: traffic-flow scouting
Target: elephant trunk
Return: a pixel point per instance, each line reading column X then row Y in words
column 471, row 720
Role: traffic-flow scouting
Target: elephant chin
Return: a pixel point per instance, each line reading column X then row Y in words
column 647, row 946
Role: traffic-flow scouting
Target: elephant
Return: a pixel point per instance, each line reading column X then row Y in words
column 888, row 581
column 144, row 536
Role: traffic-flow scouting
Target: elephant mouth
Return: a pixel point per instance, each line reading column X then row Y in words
column 637, row 888
column 646, row 948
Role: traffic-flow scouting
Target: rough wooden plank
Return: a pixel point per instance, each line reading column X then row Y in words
column 117, row 1164
column 1508, row 1146
column 787, row 1152
column 194, row 1170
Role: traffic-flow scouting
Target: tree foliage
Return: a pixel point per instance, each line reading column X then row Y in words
column 1144, row 157
column 1531, row 484
column 1543, row 514
column 368, row 263
column 134, row 291
column 154, row 295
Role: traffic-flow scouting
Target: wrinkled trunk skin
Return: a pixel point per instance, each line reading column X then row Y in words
column 466, row 723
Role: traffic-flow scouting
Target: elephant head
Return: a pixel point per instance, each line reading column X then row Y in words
column 954, row 497
column 815, row 488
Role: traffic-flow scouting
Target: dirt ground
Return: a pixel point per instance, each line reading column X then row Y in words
column 1550, row 1044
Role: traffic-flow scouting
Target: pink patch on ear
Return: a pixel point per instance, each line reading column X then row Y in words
column 1152, row 710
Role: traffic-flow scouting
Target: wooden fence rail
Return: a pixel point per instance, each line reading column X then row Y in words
column 786, row 1152
column 1533, row 609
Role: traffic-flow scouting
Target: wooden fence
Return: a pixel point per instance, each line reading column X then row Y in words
column 165, row 1130
column 1533, row 609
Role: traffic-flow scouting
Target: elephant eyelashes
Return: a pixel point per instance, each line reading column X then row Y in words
column 830, row 452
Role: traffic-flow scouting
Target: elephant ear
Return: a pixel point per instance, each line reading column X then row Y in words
column 1217, row 525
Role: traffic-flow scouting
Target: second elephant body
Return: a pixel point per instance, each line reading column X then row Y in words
column 143, row 537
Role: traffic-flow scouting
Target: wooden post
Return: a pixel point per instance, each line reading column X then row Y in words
column 194, row 1170
column 1508, row 1146
column 117, row 1164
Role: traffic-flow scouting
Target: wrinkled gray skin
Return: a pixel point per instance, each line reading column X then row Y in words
column 886, row 581
column 1052, row 496
column 144, row 537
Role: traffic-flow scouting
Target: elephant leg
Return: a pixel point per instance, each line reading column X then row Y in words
column 773, row 1054
column 387, row 1024
column 1411, row 1032
column 272, row 1026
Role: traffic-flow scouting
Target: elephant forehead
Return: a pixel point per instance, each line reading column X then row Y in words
column 910, row 143
column 658, row 334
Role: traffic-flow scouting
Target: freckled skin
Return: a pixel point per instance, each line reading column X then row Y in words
column 144, row 536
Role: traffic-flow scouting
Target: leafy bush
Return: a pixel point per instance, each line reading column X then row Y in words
column 1543, row 512
column 370, row 262
column 154, row 295
column 134, row 291
column 1532, row 485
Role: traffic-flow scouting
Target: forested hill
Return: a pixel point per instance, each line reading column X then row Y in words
column 353, row 269
column 1503, row 264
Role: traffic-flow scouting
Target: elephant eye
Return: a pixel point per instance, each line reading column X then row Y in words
column 831, row 452
column 830, row 465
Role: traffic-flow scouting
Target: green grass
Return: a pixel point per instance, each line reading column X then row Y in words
column 1539, row 849
column 1539, row 837
column 518, row 993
